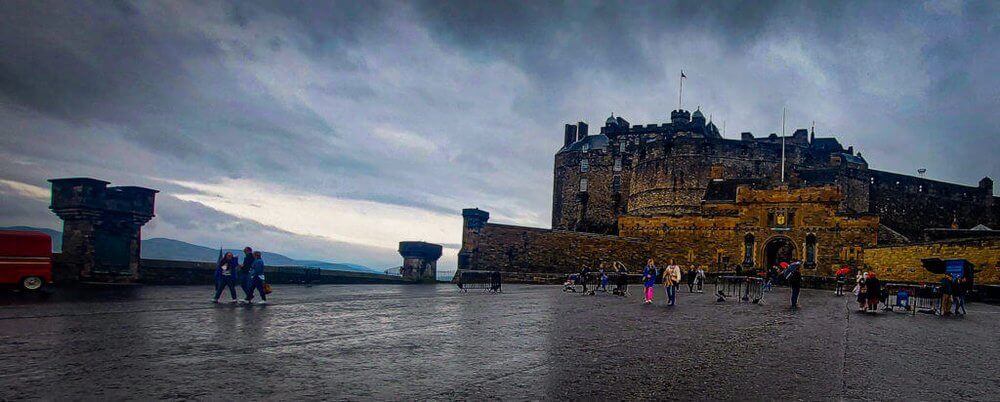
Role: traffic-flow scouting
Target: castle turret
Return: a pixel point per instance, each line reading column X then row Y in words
column 569, row 137
column 419, row 260
column 101, row 228
column 473, row 220
column 986, row 185
column 680, row 117
column 698, row 119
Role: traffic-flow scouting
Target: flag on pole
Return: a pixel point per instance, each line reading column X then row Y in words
column 682, row 74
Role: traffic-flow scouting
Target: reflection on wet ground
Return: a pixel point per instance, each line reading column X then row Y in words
column 532, row 342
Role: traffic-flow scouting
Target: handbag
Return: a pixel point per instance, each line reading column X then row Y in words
column 267, row 288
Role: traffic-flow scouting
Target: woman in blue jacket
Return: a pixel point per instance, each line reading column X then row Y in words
column 257, row 279
column 649, row 279
column 225, row 276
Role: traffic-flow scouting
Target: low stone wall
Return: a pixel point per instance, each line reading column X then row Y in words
column 167, row 272
column 902, row 262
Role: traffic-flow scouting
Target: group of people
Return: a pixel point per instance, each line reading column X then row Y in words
column 600, row 280
column 249, row 276
column 869, row 291
column 671, row 279
column 953, row 294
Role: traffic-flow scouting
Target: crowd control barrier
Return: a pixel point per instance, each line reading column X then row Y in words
column 911, row 298
column 744, row 288
column 490, row 281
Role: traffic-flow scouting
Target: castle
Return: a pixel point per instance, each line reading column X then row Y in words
column 681, row 191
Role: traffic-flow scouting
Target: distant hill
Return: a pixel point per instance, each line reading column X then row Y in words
column 169, row 249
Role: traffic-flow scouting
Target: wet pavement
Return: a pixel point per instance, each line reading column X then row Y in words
column 399, row 342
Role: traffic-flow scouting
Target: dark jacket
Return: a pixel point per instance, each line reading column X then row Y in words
column 795, row 279
column 247, row 264
column 873, row 287
column 946, row 286
column 227, row 270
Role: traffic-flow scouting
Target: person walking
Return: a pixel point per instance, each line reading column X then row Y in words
column 946, row 290
column 841, row 280
column 257, row 279
column 873, row 288
column 243, row 277
column 604, row 282
column 584, row 278
column 700, row 277
column 649, row 279
column 772, row 273
column 795, row 282
column 691, row 275
column 225, row 276
column 622, row 281
column 958, row 296
column 671, row 280
column 859, row 290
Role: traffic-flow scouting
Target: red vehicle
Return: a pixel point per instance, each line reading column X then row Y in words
column 25, row 259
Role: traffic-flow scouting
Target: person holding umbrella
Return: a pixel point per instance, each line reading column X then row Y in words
column 841, row 275
column 794, row 278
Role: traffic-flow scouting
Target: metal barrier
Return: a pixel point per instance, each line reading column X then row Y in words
column 744, row 288
column 490, row 281
column 911, row 298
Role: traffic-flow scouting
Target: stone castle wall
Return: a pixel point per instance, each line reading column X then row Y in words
column 532, row 250
column 902, row 263
column 910, row 204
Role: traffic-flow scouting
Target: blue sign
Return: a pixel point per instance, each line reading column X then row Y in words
column 955, row 268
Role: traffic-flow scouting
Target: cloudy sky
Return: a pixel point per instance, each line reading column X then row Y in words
column 333, row 130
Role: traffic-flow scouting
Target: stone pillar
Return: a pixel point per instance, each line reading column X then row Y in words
column 419, row 260
column 101, row 228
column 473, row 220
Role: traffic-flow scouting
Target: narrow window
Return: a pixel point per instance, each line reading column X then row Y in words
column 616, row 184
column 621, row 145
column 585, row 148
column 748, row 249
column 811, row 248
column 583, row 185
column 584, row 165
column 618, row 164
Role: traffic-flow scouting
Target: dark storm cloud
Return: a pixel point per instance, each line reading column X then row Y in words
column 440, row 105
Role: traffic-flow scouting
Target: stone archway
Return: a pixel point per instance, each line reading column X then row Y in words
column 778, row 249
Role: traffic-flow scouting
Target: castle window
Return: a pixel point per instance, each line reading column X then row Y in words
column 920, row 188
column 585, row 147
column 618, row 164
column 873, row 179
column 583, row 185
column 621, row 145
column 811, row 248
column 584, row 165
column 616, row 184
column 748, row 244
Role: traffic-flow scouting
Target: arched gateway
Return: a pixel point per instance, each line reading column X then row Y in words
column 778, row 249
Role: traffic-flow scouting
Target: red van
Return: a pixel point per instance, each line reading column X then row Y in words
column 25, row 259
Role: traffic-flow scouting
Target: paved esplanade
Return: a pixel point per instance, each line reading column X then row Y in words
column 532, row 342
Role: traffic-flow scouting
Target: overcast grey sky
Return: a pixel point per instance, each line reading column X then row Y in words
column 334, row 130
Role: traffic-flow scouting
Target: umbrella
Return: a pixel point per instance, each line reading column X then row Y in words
column 791, row 268
column 843, row 271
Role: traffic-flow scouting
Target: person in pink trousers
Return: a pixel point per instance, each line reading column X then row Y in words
column 649, row 279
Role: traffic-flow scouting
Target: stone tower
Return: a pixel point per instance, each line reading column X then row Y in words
column 419, row 260
column 101, row 229
column 473, row 220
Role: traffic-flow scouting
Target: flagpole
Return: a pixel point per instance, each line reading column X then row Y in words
column 782, row 145
column 680, row 93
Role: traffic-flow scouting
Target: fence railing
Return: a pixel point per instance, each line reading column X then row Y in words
column 744, row 288
column 491, row 281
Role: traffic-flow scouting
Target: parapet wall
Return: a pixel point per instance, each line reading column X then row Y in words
column 902, row 263
column 167, row 272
